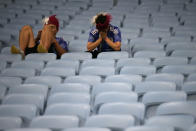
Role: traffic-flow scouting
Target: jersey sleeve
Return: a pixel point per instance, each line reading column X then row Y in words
column 117, row 35
column 92, row 35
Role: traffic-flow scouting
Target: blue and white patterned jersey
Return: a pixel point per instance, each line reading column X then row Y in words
column 113, row 34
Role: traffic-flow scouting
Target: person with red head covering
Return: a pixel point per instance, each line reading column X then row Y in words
column 103, row 36
column 45, row 42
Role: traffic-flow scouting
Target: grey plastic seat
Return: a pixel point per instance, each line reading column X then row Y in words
column 54, row 122
column 130, row 79
column 37, row 100
column 180, row 107
column 87, row 79
column 179, row 69
column 110, row 121
column 180, row 122
column 191, row 77
column 87, row 129
column 29, row 129
column 135, row 109
column 79, row 98
column 149, row 54
column 45, row 80
column 76, row 56
column 114, row 55
column 10, row 81
column 80, row 110
column 98, row 62
column 58, row 71
column 41, row 56
column 10, row 122
column 71, row 87
column 138, row 70
column 184, row 53
column 150, row 128
column 189, row 88
column 10, row 57
column 163, row 61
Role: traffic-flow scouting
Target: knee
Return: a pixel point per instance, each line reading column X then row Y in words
column 26, row 28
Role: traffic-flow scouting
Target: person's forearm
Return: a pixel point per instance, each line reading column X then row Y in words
column 115, row 46
column 93, row 45
column 59, row 49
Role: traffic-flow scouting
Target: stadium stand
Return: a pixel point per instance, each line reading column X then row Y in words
column 147, row 86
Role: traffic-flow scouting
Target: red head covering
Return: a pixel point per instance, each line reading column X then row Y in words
column 102, row 26
column 53, row 20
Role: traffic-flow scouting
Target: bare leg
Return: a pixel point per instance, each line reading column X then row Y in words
column 26, row 38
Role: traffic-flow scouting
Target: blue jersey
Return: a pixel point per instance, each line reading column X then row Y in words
column 113, row 34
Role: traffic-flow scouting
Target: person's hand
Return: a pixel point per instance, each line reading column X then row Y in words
column 103, row 34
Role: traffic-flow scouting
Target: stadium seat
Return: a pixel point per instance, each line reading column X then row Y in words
column 149, row 54
column 114, row 55
column 41, row 56
column 113, row 122
column 180, row 122
column 10, row 122
column 29, row 129
column 180, row 107
column 79, row 98
column 87, row 79
column 192, row 128
column 189, row 88
column 163, row 61
column 54, row 122
column 107, row 97
column 98, row 62
column 150, row 128
column 10, row 81
column 135, row 109
column 37, row 100
column 87, row 129
column 130, row 79
column 179, row 69
column 184, row 53
column 191, row 77
column 9, row 58
column 70, row 87
column 45, row 80
column 76, row 56
column 80, row 110
column 193, row 61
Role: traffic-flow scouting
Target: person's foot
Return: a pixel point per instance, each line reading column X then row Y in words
column 15, row 50
column 41, row 49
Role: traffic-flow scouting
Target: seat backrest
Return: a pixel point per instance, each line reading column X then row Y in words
column 41, row 56
column 80, row 98
column 162, row 61
column 149, row 54
column 114, row 55
column 110, row 121
column 179, row 69
column 76, row 56
column 18, row 72
column 150, row 128
column 87, row 129
column 54, row 122
column 10, row 122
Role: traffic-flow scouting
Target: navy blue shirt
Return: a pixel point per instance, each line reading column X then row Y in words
column 113, row 34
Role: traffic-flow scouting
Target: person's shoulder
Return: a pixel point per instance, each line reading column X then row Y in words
column 93, row 31
column 114, row 29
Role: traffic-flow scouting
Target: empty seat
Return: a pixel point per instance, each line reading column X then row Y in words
column 37, row 100
column 80, row 110
column 184, row 53
column 10, row 57
column 180, row 122
column 135, row 109
column 87, row 129
column 58, row 71
column 45, row 80
column 88, row 79
column 70, row 87
column 148, row 47
column 18, row 72
column 191, row 77
column 180, row 107
column 29, row 129
column 96, row 70
column 150, row 128
column 130, row 79
column 110, row 121
column 180, row 46
column 148, row 86
column 10, row 122
column 79, row 98
column 193, row 61
column 149, row 54
column 138, row 70
column 114, row 55
column 55, row 122
column 10, row 81
column 189, row 88
column 162, row 61
column 111, row 86
column 41, row 56
column 179, row 69
column 98, row 62
column 107, row 97
column 30, row 89
column 178, row 79
column 76, row 56
column 26, row 111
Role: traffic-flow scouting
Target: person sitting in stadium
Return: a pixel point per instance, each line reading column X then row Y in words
column 45, row 42
column 103, row 36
